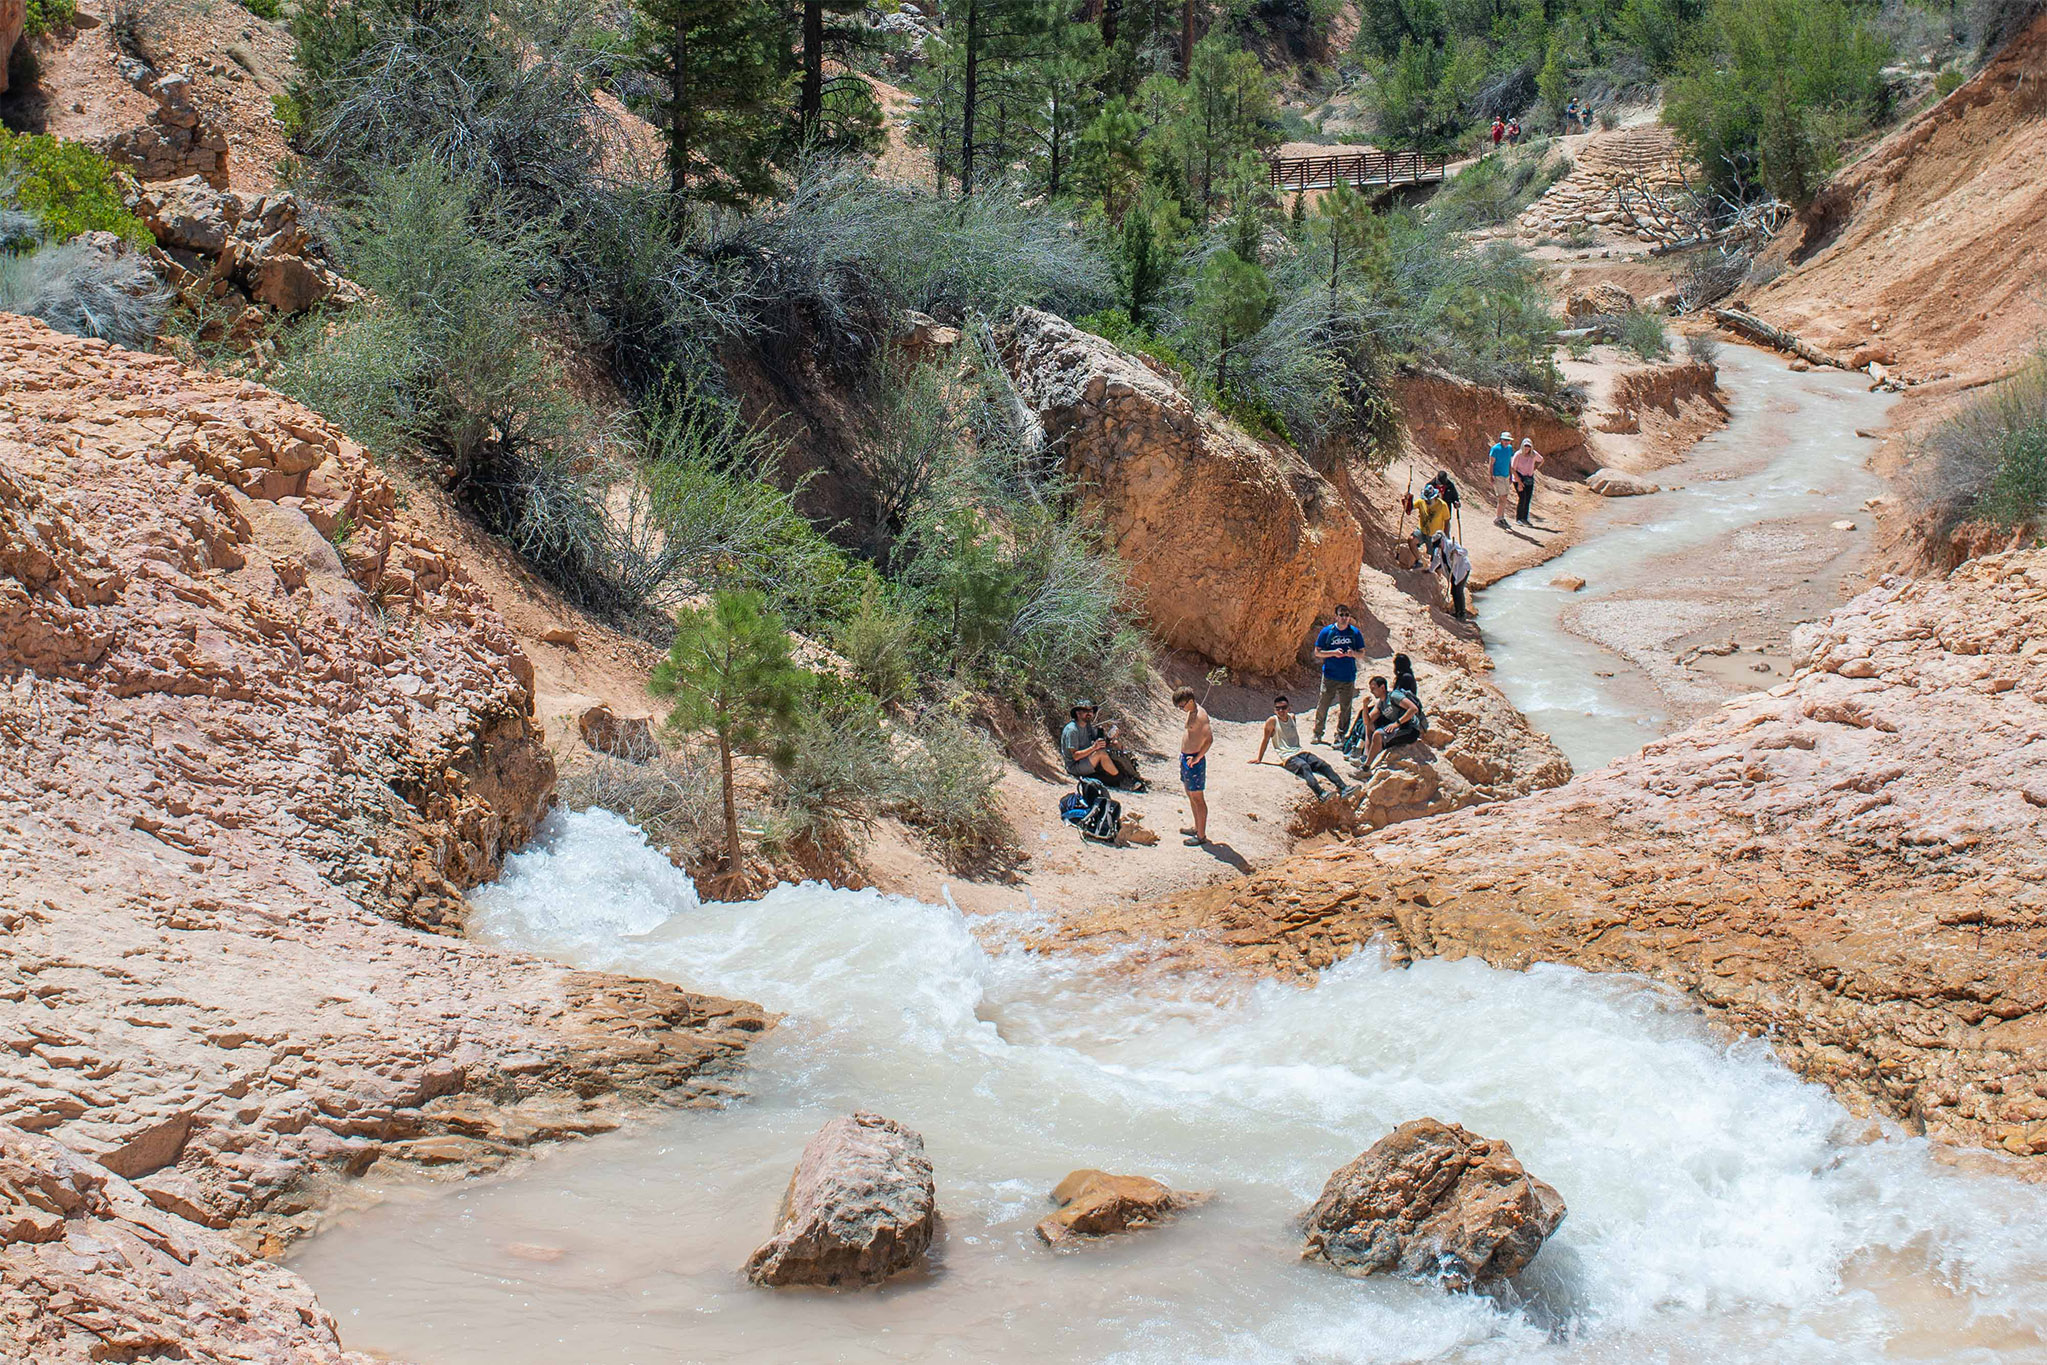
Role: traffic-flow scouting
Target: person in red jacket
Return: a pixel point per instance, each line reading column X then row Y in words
column 1499, row 131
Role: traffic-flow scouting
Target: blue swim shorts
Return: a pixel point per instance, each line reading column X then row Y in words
column 1194, row 772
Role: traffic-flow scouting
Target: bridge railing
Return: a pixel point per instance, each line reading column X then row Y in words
column 1357, row 168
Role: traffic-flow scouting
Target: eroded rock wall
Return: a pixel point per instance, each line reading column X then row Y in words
column 257, row 734
column 1851, row 865
column 1234, row 546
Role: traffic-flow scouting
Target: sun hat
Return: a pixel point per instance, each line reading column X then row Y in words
column 1073, row 711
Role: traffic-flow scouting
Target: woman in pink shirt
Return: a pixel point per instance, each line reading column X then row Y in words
column 1523, row 464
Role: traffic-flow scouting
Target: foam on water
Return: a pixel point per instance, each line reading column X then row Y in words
column 1719, row 1208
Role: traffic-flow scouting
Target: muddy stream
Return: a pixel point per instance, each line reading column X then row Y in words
column 1720, row 1209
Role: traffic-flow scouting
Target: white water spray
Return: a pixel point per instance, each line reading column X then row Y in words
column 1719, row 1208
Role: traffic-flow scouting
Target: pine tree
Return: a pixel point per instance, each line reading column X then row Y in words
column 1232, row 300
column 729, row 672
column 725, row 64
column 988, row 43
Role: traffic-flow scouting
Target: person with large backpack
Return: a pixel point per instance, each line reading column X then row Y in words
column 1448, row 558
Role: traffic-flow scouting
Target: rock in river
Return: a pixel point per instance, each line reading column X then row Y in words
column 1095, row 1204
column 1433, row 1202
column 860, row 1207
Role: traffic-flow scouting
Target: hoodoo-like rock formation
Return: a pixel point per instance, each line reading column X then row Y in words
column 91, row 1269
column 257, row 734
column 1233, row 545
column 1096, row 1204
column 1850, row 865
column 861, row 1206
column 1433, row 1202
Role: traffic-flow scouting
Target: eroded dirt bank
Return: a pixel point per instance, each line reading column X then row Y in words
column 1849, row 865
column 260, row 733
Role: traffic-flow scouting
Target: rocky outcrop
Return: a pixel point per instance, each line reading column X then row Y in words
column 628, row 737
column 1603, row 300
column 1432, row 1202
column 1453, row 422
column 1618, row 483
column 260, row 733
column 238, row 259
column 175, row 140
column 1848, row 865
column 861, row 1207
column 13, row 18
column 1097, row 1204
column 1233, row 546
column 92, row 1270
column 1476, row 749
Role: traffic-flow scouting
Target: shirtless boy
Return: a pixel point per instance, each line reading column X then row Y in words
column 1194, row 746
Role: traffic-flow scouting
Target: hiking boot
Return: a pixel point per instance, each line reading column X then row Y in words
column 1500, row 522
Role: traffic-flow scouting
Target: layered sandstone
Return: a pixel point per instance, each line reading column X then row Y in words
column 260, row 733
column 1850, row 865
column 93, row 1270
column 1452, row 423
column 1234, row 546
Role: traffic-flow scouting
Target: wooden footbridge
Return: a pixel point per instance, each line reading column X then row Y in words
column 1368, row 169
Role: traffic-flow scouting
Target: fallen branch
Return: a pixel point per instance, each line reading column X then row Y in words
column 1755, row 329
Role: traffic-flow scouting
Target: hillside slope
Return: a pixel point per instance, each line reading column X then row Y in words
column 1927, row 254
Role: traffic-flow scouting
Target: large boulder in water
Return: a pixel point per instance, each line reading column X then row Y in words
column 860, row 1207
column 1433, row 1202
column 1235, row 547
column 1096, row 1204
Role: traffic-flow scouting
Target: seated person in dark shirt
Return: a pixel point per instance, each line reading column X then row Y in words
column 1088, row 750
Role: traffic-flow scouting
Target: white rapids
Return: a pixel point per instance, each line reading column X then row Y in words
column 1720, row 1209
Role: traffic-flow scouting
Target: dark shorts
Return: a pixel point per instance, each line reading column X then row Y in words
column 1406, row 734
column 1194, row 772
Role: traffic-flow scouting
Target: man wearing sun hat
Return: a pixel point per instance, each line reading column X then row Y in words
column 1503, row 476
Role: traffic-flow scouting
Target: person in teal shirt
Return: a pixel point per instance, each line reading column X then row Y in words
column 1503, row 476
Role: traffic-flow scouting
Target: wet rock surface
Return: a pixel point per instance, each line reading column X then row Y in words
column 1848, row 865
column 1097, row 1204
column 260, row 734
column 92, row 1270
column 861, row 1207
column 1433, row 1202
column 1234, row 546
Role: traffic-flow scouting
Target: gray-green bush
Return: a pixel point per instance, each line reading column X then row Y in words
column 1989, row 461
column 77, row 288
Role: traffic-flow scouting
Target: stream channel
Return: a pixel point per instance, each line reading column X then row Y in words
column 1720, row 1208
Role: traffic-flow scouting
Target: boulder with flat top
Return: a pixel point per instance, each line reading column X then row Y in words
column 861, row 1207
column 1097, row 1204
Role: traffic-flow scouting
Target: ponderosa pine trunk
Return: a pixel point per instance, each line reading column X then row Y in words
column 969, row 96
column 810, row 105
column 735, row 857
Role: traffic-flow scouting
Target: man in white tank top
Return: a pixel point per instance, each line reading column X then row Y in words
column 1283, row 737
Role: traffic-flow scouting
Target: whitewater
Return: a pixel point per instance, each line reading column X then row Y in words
column 1720, row 1209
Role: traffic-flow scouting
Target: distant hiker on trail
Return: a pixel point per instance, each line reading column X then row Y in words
column 1448, row 558
column 1524, row 464
column 1513, row 132
column 1499, row 131
column 1570, row 115
column 1285, row 738
column 1090, row 751
column 1503, row 476
column 1396, row 720
column 1194, row 747
column 1432, row 513
column 1339, row 646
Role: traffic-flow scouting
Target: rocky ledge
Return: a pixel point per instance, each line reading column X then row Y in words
column 257, row 734
column 1850, row 865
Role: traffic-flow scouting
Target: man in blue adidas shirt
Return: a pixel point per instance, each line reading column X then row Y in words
column 1339, row 647
column 1503, row 476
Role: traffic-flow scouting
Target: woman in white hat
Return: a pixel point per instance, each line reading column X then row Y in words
column 1524, row 463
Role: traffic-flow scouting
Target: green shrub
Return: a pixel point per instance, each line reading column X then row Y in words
column 1947, row 82
column 47, row 16
column 1773, row 89
column 1643, row 333
column 68, row 186
column 880, row 640
column 1989, row 461
column 264, row 9
column 949, row 789
column 84, row 291
column 1496, row 189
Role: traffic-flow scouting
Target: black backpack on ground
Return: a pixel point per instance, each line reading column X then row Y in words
column 1090, row 809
